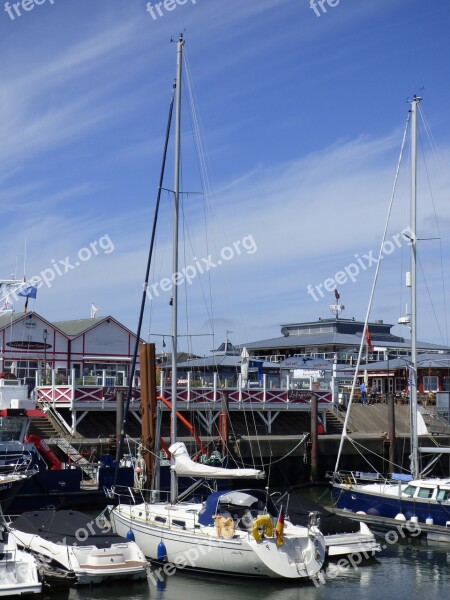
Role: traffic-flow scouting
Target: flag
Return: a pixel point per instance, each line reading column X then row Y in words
column 94, row 311
column 279, row 528
column 369, row 341
column 29, row 291
column 6, row 305
column 336, row 294
column 411, row 375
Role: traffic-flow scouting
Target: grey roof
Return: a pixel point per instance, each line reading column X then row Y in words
column 336, row 339
column 221, row 361
column 424, row 361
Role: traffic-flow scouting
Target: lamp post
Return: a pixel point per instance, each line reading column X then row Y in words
column 45, row 335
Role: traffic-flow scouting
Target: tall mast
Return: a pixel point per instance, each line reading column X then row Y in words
column 176, row 188
column 413, row 370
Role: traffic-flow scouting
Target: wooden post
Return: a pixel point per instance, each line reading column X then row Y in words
column 223, row 423
column 314, row 414
column 391, row 429
column 147, row 358
column 119, row 419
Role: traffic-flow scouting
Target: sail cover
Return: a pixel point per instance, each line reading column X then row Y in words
column 185, row 467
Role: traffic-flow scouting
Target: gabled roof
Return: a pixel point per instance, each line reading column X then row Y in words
column 77, row 326
column 7, row 320
column 70, row 329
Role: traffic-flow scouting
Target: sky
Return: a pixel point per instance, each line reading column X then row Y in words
column 300, row 110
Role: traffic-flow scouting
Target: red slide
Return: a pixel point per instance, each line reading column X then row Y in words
column 44, row 449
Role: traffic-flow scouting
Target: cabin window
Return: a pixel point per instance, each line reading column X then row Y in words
column 430, row 383
column 443, row 495
column 160, row 519
column 179, row 523
column 425, row 493
column 410, row 490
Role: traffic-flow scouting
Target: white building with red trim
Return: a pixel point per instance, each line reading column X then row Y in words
column 93, row 349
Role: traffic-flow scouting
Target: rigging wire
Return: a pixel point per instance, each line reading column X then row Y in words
column 439, row 239
column 372, row 293
column 204, row 174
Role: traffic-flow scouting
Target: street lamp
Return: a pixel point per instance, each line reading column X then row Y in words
column 45, row 335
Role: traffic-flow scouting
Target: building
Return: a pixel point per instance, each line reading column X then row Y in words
column 336, row 339
column 94, row 349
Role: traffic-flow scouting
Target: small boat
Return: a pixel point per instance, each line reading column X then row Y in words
column 18, row 569
column 342, row 536
column 69, row 544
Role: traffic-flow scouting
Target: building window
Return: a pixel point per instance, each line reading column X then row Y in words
column 446, row 384
column 22, row 369
column 430, row 383
column 399, row 384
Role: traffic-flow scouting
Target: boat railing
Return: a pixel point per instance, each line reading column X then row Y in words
column 17, row 461
column 354, row 477
column 128, row 495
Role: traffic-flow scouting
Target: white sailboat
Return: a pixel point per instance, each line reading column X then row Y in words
column 414, row 496
column 238, row 532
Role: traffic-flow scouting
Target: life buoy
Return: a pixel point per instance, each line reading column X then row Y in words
column 264, row 522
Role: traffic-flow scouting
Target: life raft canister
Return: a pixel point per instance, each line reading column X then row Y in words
column 265, row 522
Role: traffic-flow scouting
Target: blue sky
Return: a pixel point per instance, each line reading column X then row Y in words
column 301, row 119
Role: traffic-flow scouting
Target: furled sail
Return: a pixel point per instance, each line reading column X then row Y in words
column 185, row 467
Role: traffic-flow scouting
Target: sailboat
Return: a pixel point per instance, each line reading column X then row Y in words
column 405, row 497
column 235, row 532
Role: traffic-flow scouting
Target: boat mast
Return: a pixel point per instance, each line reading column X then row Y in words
column 176, row 194
column 413, row 370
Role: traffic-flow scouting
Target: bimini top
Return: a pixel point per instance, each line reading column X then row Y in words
column 235, row 503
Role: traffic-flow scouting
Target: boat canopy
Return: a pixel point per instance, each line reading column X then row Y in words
column 236, row 503
column 185, row 467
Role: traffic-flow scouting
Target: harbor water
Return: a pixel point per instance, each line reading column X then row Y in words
column 408, row 570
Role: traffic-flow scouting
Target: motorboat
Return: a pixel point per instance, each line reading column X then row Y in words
column 18, row 569
column 74, row 544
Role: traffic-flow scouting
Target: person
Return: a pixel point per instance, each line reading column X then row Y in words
column 362, row 389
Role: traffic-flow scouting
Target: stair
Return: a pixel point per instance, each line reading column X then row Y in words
column 74, row 456
column 43, row 427
column 335, row 422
